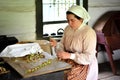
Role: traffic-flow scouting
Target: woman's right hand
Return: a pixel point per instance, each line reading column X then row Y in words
column 53, row 42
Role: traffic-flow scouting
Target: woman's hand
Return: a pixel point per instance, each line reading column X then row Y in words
column 63, row 55
column 53, row 42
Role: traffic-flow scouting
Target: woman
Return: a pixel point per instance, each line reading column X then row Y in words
column 78, row 45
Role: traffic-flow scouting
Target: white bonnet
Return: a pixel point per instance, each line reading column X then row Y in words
column 81, row 12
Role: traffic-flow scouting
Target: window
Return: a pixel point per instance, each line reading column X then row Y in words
column 54, row 15
column 48, row 24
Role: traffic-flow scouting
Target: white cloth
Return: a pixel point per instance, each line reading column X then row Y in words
column 20, row 50
column 93, row 70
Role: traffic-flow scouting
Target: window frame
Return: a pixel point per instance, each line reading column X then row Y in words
column 39, row 19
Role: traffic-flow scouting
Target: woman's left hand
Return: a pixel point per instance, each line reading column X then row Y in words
column 63, row 55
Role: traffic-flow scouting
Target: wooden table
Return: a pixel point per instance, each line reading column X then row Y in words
column 22, row 66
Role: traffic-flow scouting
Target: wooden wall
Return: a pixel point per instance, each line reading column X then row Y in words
column 17, row 18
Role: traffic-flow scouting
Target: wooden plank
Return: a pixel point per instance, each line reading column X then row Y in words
column 22, row 66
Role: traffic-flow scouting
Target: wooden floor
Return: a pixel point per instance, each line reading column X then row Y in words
column 105, row 72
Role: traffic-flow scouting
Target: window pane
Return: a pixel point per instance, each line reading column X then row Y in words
column 53, row 28
column 54, row 10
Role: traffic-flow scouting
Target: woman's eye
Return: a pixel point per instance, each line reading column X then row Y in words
column 72, row 20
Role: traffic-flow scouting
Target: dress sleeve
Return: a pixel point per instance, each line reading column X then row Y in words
column 89, row 49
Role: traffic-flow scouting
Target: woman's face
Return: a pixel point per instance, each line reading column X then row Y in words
column 73, row 21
